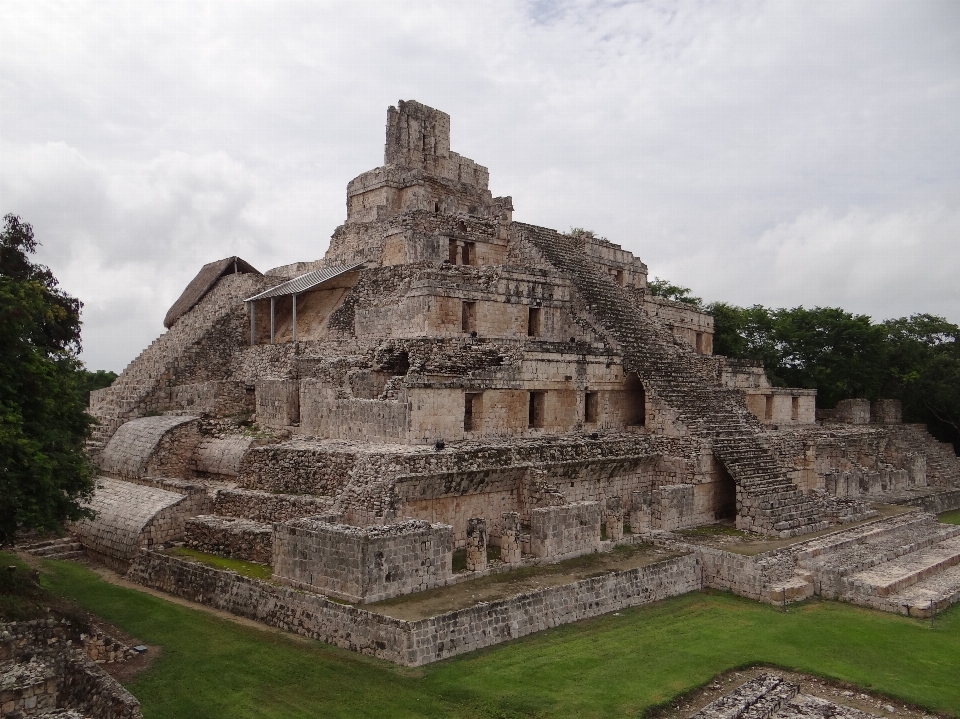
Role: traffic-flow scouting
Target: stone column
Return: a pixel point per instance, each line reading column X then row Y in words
column 640, row 511
column 510, row 537
column 613, row 516
column 476, row 544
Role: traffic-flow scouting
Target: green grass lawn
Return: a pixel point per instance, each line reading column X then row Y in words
column 611, row 666
column 240, row 566
column 950, row 517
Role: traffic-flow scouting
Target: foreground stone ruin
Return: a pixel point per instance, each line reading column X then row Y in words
column 49, row 669
column 449, row 382
column 770, row 696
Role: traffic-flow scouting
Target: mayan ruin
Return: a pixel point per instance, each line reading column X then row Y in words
column 449, row 394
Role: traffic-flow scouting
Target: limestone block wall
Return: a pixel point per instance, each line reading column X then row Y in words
column 362, row 564
column 162, row 445
column 217, row 398
column 783, row 406
column 198, row 500
column 674, row 506
column 435, row 414
column 230, row 537
column 566, row 530
column 324, row 414
column 129, row 517
column 296, row 467
column 886, row 411
column 223, row 455
column 684, row 321
column 858, row 483
column 267, row 507
column 428, row 640
column 278, row 403
column 199, row 347
column 849, row 411
column 457, row 511
column 44, row 673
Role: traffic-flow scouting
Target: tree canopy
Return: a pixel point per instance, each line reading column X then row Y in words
column 44, row 471
column 843, row 355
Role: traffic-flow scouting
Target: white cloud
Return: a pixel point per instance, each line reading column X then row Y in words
column 724, row 143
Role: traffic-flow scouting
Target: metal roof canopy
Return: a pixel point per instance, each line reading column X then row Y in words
column 305, row 282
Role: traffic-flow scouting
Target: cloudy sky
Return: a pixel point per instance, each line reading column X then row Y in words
column 779, row 152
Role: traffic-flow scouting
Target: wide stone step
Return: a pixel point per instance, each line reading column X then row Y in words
column 928, row 596
column 891, row 577
column 873, row 532
column 884, row 544
column 56, row 549
column 64, row 556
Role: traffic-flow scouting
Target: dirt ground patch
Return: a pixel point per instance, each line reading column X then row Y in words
column 725, row 536
column 492, row 588
column 834, row 691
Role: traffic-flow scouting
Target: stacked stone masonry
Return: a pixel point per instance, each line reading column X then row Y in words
column 519, row 387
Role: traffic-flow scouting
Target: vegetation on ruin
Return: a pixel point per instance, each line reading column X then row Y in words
column 240, row 566
column 950, row 517
column 44, row 471
column 670, row 291
column 844, row 355
column 621, row 664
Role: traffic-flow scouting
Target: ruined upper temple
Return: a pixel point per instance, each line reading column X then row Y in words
column 445, row 364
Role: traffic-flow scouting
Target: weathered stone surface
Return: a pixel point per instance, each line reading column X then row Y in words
column 362, row 564
column 128, row 517
column 427, row 640
column 230, row 537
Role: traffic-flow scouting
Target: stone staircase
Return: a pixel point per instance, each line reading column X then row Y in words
column 205, row 337
column 943, row 464
column 909, row 564
column 63, row 548
column 767, row 500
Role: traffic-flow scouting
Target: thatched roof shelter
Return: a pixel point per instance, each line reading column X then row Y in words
column 203, row 282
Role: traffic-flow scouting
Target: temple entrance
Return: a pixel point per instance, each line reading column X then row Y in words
column 636, row 415
column 724, row 493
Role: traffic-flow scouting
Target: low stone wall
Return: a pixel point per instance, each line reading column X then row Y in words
column 130, row 516
column 278, row 403
column 47, row 672
column 267, row 507
column 158, row 446
column 940, row 502
column 230, row 537
column 363, row 564
column 427, row 640
column 222, row 456
column 222, row 398
column 565, row 530
column 296, row 467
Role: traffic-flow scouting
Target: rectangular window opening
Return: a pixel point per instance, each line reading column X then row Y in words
column 472, row 404
column 468, row 318
column 699, row 343
column 768, row 410
column 533, row 322
column 592, row 407
column 469, row 253
column 536, row 418
column 452, row 252
column 794, row 408
column 618, row 276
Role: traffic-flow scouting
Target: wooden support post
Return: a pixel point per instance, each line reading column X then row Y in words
column 294, row 317
column 273, row 313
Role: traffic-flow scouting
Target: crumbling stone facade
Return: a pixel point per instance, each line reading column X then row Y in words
column 446, row 378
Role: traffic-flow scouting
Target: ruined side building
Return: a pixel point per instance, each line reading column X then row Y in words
column 446, row 377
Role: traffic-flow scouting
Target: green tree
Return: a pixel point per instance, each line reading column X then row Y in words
column 670, row 291
column 44, row 471
column 923, row 372
column 89, row 381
